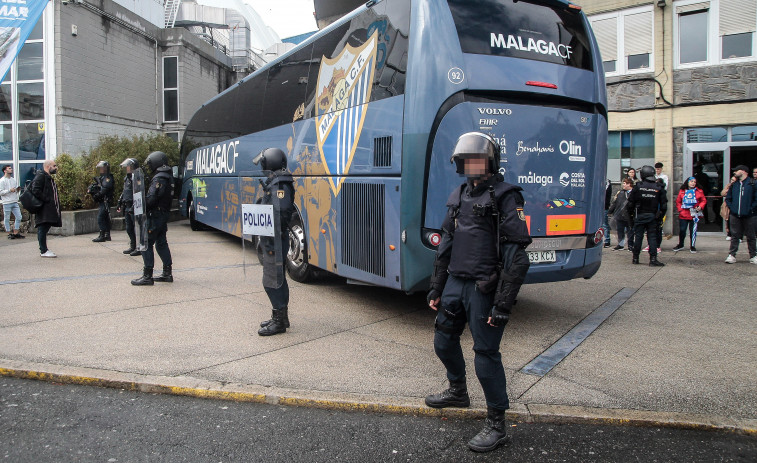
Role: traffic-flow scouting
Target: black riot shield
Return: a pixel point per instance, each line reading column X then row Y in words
column 140, row 208
column 261, row 224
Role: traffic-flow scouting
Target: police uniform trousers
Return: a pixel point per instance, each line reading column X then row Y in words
column 157, row 226
column 129, row 221
column 462, row 303
column 279, row 297
column 645, row 222
column 103, row 217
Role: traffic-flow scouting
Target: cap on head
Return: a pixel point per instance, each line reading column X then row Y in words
column 272, row 159
column 741, row 167
column 155, row 160
column 648, row 173
column 475, row 145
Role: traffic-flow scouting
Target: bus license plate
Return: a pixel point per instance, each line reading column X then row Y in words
column 541, row 257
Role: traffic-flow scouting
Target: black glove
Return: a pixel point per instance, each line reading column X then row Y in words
column 432, row 296
column 499, row 317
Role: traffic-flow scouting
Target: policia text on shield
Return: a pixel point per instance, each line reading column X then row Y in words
column 480, row 266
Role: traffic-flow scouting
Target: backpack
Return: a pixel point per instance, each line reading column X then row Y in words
column 30, row 202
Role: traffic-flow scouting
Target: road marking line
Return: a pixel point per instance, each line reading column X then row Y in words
column 557, row 352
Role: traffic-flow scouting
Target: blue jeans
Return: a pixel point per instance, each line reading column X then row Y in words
column 606, row 227
column 9, row 209
column 462, row 302
column 624, row 230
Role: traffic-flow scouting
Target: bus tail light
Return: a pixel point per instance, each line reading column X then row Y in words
column 434, row 239
column 536, row 83
column 599, row 236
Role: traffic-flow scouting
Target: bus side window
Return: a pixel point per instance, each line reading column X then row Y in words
column 286, row 90
column 249, row 105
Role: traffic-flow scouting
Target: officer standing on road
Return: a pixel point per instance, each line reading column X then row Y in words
column 278, row 190
column 648, row 201
column 126, row 205
column 102, row 192
column 480, row 266
column 158, row 204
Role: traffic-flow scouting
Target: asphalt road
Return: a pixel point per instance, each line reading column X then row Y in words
column 41, row 422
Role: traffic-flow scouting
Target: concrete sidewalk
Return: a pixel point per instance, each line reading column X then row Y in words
column 681, row 351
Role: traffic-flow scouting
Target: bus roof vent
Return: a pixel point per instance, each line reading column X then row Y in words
column 382, row 152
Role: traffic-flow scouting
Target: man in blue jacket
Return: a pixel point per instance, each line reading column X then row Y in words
column 742, row 201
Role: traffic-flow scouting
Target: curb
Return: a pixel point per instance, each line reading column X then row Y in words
column 216, row 390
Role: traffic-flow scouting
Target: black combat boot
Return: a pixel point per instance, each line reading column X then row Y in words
column 166, row 276
column 635, row 259
column 132, row 248
column 268, row 322
column 455, row 396
column 653, row 262
column 107, row 236
column 100, row 238
column 145, row 279
column 278, row 324
column 493, row 435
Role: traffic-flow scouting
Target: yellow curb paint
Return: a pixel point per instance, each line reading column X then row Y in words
column 540, row 417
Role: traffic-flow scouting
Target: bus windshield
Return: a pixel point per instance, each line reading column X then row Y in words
column 522, row 29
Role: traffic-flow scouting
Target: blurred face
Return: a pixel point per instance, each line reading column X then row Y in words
column 8, row 171
column 754, row 173
column 692, row 183
column 627, row 186
column 632, row 173
column 658, row 170
column 475, row 167
column 740, row 174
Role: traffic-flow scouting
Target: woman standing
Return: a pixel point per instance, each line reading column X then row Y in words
column 690, row 202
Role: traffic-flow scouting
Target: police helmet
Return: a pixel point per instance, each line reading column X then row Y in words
column 272, row 159
column 648, row 173
column 104, row 164
column 130, row 162
column 155, row 160
column 475, row 145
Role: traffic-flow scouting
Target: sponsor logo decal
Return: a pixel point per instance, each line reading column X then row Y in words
column 573, row 149
column 575, row 179
column 495, row 111
column 531, row 45
column 557, row 203
column 217, row 159
column 534, row 179
column 538, row 149
column 344, row 87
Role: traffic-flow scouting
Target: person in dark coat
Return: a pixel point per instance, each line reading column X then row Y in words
column 43, row 187
column 605, row 219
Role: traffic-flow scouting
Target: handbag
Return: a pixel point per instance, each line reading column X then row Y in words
column 725, row 212
column 30, row 202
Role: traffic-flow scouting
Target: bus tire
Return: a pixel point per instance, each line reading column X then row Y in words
column 193, row 223
column 297, row 258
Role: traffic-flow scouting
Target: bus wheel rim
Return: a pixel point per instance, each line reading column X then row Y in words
column 296, row 253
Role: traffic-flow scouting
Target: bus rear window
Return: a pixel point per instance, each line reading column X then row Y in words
column 522, row 29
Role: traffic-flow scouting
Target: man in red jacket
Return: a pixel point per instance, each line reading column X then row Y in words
column 690, row 202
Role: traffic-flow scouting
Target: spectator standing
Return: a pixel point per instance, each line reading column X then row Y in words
column 623, row 223
column 9, row 197
column 742, row 201
column 44, row 188
column 632, row 175
column 725, row 213
column 754, row 173
column 690, row 203
column 605, row 221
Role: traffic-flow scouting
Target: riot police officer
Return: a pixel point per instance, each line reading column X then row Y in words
column 126, row 205
column 480, row 266
column 278, row 190
column 158, row 206
column 648, row 201
column 102, row 192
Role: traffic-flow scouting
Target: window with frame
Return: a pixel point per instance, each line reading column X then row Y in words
column 628, row 149
column 170, row 89
column 714, row 32
column 626, row 40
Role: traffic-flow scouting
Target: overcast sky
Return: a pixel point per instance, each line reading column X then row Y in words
column 287, row 17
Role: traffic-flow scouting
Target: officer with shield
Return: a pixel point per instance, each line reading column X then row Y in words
column 480, row 266
column 101, row 191
column 157, row 207
column 126, row 204
column 278, row 190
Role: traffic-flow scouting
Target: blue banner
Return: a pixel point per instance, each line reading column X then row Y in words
column 17, row 19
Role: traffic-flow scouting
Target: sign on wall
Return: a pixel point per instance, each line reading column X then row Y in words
column 17, row 19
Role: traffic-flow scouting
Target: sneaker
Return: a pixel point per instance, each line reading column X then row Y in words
column 49, row 253
column 728, row 238
column 646, row 249
column 730, row 259
column 607, row 245
column 630, row 249
column 693, row 250
column 678, row 248
column 753, row 260
column 617, row 248
column 18, row 236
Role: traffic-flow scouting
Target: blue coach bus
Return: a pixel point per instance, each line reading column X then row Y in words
column 368, row 110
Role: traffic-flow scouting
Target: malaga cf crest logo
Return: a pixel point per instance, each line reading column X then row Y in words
column 344, row 88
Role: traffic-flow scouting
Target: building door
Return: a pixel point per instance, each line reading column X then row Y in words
column 709, row 165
